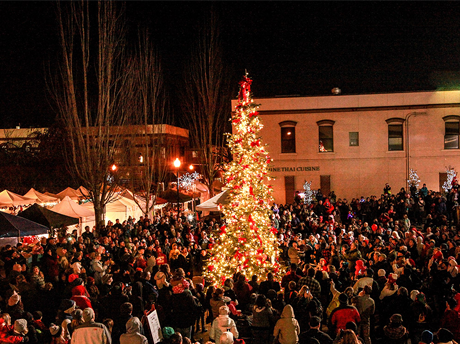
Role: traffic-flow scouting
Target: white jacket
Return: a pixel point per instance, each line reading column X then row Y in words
column 220, row 325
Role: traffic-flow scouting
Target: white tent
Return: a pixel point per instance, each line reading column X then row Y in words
column 40, row 197
column 212, row 204
column 121, row 208
column 83, row 192
column 9, row 199
column 69, row 192
column 72, row 209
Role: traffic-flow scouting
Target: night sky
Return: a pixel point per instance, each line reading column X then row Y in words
column 288, row 48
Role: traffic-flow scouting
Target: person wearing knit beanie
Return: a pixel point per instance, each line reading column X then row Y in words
column 427, row 337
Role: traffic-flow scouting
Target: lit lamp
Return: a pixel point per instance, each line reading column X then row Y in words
column 177, row 164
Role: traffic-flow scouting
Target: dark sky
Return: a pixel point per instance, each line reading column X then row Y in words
column 288, row 48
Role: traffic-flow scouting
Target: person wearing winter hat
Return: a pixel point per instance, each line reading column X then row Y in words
column 133, row 335
column 426, row 338
column 56, row 334
column 185, row 307
column 390, row 287
column 222, row 324
column 167, row 332
column 66, row 308
column 360, row 268
column 395, row 331
column 91, row 332
column 20, row 327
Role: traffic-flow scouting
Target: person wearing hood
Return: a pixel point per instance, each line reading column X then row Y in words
column 222, row 324
column 133, row 333
column 287, row 328
column 80, row 296
column 64, row 316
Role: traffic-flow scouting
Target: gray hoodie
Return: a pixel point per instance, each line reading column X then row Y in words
column 132, row 335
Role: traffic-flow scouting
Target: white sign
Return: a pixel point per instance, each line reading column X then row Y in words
column 154, row 327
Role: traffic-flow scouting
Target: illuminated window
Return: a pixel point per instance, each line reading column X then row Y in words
column 395, row 134
column 354, row 138
column 452, row 131
column 325, row 136
column 288, row 136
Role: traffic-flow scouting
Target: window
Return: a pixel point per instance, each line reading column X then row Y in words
column 452, row 131
column 395, row 137
column 395, row 134
column 288, row 136
column 326, row 136
column 354, row 138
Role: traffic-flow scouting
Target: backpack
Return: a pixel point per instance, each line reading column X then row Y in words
column 315, row 308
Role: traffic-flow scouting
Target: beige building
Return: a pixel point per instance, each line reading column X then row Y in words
column 354, row 144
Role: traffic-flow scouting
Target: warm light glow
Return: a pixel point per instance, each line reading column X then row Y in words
column 141, row 158
column 247, row 242
column 114, row 167
column 191, row 167
column 289, row 133
column 177, row 163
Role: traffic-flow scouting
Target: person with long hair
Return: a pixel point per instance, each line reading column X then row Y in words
column 347, row 337
column 216, row 302
column 262, row 320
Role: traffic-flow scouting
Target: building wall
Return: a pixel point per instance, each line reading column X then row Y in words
column 360, row 170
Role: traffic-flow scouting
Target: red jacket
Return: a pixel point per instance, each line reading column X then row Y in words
column 5, row 337
column 79, row 296
column 342, row 315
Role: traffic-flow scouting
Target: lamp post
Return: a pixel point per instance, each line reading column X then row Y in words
column 177, row 164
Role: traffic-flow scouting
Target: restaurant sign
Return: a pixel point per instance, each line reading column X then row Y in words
column 294, row 169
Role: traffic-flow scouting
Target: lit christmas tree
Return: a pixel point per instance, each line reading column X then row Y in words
column 308, row 194
column 451, row 179
column 247, row 242
column 413, row 181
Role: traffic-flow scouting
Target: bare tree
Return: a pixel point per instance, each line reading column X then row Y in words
column 148, row 168
column 93, row 91
column 206, row 101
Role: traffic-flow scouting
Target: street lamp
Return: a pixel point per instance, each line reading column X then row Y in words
column 177, row 164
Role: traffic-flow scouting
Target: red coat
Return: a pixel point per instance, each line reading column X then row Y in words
column 342, row 315
column 79, row 296
column 5, row 337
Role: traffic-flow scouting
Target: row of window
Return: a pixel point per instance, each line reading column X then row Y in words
column 395, row 135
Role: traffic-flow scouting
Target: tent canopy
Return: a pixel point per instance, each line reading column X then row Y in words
column 69, row 192
column 47, row 217
column 212, row 204
column 83, row 192
column 9, row 199
column 14, row 226
column 40, row 197
column 72, row 209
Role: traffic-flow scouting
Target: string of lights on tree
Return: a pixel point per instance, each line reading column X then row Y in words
column 413, row 180
column 247, row 241
column 451, row 179
column 308, row 194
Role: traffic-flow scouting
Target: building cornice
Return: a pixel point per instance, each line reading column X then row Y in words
column 357, row 109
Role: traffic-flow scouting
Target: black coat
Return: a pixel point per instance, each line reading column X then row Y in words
column 185, row 309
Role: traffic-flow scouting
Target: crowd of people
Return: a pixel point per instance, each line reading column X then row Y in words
column 376, row 269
